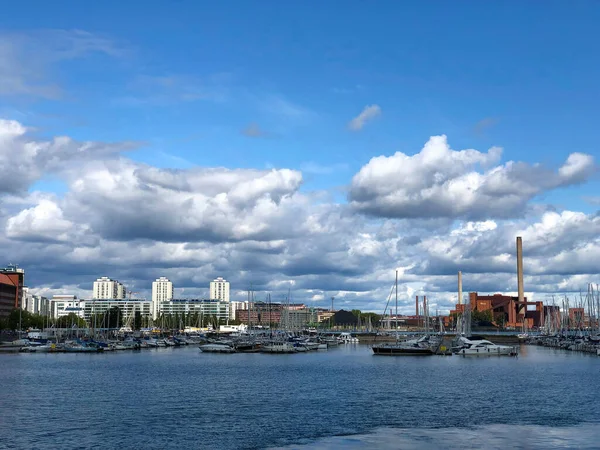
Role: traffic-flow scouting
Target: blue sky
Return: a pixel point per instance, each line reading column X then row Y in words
column 526, row 70
column 273, row 84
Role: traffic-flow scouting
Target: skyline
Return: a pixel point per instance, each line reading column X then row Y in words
column 310, row 149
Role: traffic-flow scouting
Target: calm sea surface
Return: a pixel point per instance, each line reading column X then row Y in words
column 342, row 398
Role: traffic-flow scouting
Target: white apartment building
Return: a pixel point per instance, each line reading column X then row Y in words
column 162, row 291
column 35, row 304
column 63, row 305
column 217, row 308
column 219, row 289
column 108, row 289
column 128, row 309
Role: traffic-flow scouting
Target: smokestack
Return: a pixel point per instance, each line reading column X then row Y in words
column 460, row 299
column 520, row 272
column 417, row 306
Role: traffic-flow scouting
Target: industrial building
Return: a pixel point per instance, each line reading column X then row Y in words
column 508, row 311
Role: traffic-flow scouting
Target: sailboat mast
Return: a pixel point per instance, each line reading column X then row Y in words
column 396, row 327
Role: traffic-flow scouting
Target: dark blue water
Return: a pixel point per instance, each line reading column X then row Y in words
column 181, row 398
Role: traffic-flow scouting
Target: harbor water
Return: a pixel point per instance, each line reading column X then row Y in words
column 340, row 398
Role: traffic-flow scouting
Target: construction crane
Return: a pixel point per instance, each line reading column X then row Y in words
column 130, row 293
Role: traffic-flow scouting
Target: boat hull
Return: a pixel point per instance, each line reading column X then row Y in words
column 402, row 351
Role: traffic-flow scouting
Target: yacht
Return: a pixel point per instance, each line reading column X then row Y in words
column 216, row 348
column 278, row 347
column 347, row 338
column 483, row 347
column 423, row 346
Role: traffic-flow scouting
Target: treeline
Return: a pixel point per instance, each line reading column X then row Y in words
column 26, row 320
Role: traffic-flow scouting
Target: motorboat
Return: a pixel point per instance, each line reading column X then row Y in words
column 82, row 347
column 18, row 345
column 216, row 348
column 331, row 342
column 49, row 347
column 401, row 349
column 247, row 346
column 416, row 347
column 483, row 347
column 347, row 338
column 278, row 347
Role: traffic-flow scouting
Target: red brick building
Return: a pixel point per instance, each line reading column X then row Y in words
column 9, row 298
column 506, row 310
column 261, row 313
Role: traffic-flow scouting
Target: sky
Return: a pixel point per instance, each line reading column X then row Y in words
column 303, row 147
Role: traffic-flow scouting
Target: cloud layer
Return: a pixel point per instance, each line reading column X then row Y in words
column 427, row 216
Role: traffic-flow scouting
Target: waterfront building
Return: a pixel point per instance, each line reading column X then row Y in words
column 323, row 316
column 107, row 289
column 261, row 313
column 298, row 318
column 12, row 281
column 35, row 304
column 219, row 289
column 234, row 307
column 210, row 307
column 8, row 295
column 63, row 305
column 162, row 291
column 128, row 308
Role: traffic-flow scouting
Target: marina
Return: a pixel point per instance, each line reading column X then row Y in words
column 293, row 399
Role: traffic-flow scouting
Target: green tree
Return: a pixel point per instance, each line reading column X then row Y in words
column 137, row 320
column 25, row 319
column 481, row 317
column 71, row 320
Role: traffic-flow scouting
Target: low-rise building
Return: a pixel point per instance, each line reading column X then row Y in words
column 128, row 307
column 234, row 307
column 206, row 307
column 261, row 313
column 63, row 305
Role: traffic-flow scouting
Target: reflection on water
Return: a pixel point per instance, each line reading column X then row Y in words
column 530, row 437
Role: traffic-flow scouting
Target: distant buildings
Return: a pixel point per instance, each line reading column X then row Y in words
column 162, row 291
column 219, row 289
column 291, row 317
column 234, row 307
column 35, row 304
column 108, row 289
column 63, row 305
column 204, row 307
column 128, row 308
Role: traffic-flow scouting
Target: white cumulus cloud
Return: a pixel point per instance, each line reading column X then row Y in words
column 442, row 182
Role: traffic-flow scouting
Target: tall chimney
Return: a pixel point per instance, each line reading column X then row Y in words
column 417, row 306
column 520, row 273
column 460, row 299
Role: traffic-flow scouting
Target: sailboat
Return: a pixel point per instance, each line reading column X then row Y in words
column 414, row 347
column 524, row 334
